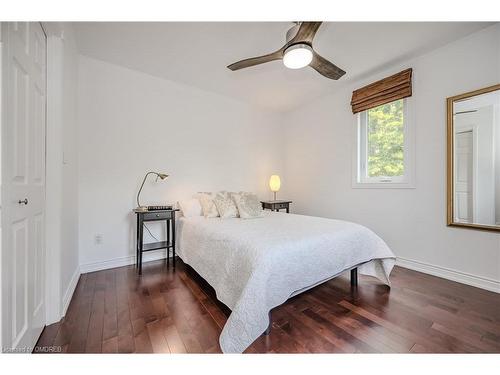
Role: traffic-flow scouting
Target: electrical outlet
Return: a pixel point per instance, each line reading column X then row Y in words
column 98, row 239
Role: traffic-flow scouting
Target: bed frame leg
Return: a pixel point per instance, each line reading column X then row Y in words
column 268, row 329
column 354, row 277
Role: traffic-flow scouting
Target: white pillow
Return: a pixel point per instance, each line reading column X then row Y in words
column 248, row 204
column 225, row 205
column 190, row 207
column 208, row 205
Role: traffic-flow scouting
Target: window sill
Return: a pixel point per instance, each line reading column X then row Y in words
column 383, row 185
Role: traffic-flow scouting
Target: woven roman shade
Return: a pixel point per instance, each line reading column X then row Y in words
column 395, row 87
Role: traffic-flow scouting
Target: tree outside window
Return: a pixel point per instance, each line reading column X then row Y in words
column 386, row 140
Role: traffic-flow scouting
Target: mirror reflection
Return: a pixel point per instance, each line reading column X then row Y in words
column 476, row 159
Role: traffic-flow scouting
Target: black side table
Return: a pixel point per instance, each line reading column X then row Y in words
column 161, row 215
column 276, row 205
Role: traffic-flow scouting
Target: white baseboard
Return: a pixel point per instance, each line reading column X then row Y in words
column 449, row 274
column 69, row 291
column 122, row 261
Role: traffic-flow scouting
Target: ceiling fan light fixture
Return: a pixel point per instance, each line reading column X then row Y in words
column 298, row 56
column 296, row 53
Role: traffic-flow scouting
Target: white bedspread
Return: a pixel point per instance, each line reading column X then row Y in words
column 257, row 264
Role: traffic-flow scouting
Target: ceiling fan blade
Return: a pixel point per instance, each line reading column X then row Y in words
column 325, row 67
column 278, row 55
column 306, row 33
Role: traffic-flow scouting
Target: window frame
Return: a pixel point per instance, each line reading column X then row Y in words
column 359, row 175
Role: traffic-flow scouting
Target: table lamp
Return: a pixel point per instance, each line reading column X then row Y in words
column 158, row 175
column 275, row 184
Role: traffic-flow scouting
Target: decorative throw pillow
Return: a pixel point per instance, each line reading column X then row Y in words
column 208, row 205
column 225, row 205
column 248, row 205
column 190, row 207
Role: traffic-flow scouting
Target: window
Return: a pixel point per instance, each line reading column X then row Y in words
column 384, row 146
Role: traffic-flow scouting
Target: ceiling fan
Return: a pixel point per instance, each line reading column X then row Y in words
column 297, row 53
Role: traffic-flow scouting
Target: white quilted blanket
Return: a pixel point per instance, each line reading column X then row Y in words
column 257, row 264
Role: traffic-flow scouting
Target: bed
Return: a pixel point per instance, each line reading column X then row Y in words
column 257, row 264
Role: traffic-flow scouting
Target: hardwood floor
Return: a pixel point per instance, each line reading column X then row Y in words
column 162, row 311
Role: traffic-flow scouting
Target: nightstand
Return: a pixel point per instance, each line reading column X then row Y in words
column 276, row 205
column 158, row 215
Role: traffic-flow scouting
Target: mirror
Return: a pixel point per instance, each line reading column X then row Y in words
column 474, row 159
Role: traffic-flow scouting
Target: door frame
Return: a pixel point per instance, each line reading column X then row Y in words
column 53, row 159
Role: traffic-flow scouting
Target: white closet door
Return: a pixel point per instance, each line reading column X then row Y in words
column 23, row 178
column 463, row 177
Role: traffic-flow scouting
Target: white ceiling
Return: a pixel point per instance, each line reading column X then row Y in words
column 197, row 53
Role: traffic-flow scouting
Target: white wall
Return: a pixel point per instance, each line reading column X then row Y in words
column 69, row 235
column 130, row 123
column 62, row 169
column 412, row 221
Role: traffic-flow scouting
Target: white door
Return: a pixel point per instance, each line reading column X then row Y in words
column 464, row 211
column 23, row 184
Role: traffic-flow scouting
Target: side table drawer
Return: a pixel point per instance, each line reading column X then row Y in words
column 150, row 216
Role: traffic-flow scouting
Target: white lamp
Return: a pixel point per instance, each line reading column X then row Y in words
column 298, row 56
column 275, row 184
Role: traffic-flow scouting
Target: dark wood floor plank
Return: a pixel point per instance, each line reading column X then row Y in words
column 362, row 332
column 168, row 328
column 142, row 340
column 298, row 331
column 201, row 323
column 167, row 311
column 81, row 324
column 469, row 337
column 94, row 336
column 183, row 327
column 110, row 345
column 174, row 340
column 66, row 324
column 377, row 316
column 47, row 338
column 158, row 341
column 319, row 329
column 358, row 325
column 110, row 324
column 208, row 304
column 333, row 329
column 125, row 332
column 95, row 330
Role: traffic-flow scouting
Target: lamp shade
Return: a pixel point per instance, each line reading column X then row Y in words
column 162, row 175
column 275, row 183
